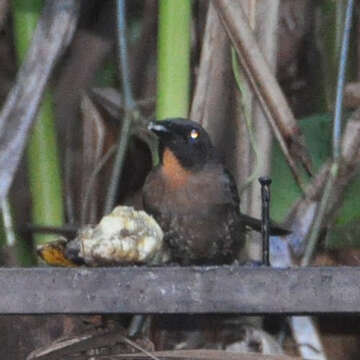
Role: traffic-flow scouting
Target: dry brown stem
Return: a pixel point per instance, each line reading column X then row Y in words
column 53, row 33
column 211, row 97
column 274, row 104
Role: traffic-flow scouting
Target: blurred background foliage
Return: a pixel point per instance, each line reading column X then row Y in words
column 53, row 185
column 87, row 113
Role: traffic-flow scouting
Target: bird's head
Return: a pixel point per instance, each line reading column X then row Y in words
column 184, row 139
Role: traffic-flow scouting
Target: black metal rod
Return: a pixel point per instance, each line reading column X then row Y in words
column 265, row 183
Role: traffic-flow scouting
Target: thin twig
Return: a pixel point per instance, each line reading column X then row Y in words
column 130, row 109
column 316, row 227
column 123, row 55
column 67, row 230
column 137, row 347
column 341, row 81
column 333, row 174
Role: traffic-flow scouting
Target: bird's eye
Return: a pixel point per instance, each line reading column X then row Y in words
column 194, row 134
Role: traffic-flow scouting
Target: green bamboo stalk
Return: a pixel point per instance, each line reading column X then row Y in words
column 19, row 251
column 173, row 74
column 42, row 153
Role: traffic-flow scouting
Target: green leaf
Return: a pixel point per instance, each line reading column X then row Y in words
column 317, row 132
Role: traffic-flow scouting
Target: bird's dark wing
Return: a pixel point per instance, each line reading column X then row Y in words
column 231, row 188
column 255, row 224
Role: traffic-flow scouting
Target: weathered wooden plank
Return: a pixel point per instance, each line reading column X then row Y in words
column 180, row 290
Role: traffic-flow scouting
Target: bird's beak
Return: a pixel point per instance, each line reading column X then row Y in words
column 157, row 127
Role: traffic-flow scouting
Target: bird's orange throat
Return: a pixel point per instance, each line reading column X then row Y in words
column 174, row 173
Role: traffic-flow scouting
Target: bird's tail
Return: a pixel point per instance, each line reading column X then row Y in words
column 255, row 224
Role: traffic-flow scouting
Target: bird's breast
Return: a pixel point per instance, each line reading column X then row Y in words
column 200, row 221
column 197, row 194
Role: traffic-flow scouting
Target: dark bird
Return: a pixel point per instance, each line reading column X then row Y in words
column 193, row 198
